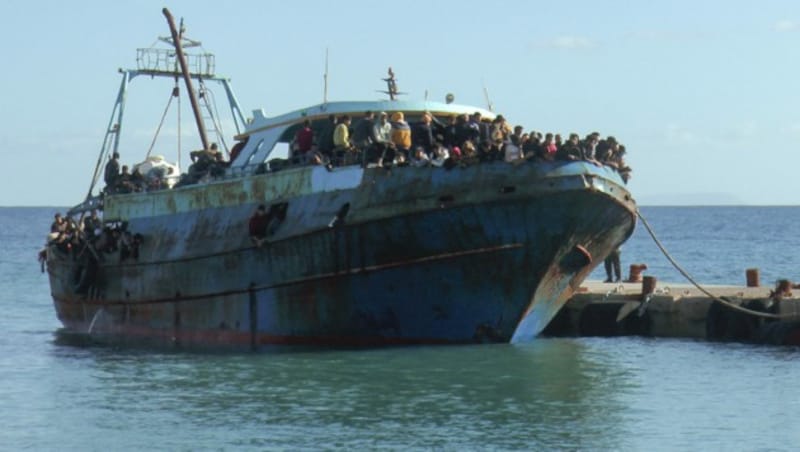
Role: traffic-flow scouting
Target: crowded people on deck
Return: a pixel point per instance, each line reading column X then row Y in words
column 458, row 140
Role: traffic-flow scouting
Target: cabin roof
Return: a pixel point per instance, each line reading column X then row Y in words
column 261, row 122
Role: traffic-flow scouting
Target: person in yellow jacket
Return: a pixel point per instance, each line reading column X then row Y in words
column 341, row 134
column 341, row 140
column 401, row 133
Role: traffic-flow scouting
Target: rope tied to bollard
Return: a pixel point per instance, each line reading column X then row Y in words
column 726, row 303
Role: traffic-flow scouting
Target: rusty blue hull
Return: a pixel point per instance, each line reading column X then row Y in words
column 362, row 257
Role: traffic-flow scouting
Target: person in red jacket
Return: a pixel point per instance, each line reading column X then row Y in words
column 304, row 138
column 258, row 225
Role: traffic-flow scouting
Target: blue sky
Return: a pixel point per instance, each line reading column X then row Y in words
column 705, row 95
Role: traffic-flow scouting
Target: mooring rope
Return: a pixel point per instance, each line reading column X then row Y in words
column 686, row 275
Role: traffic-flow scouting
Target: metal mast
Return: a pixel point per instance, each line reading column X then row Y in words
column 198, row 117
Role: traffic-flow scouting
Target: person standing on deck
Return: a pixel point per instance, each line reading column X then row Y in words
column 362, row 131
column 92, row 226
column 450, row 132
column 401, row 133
column 381, row 138
column 422, row 134
column 382, row 130
column 111, row 173
column 325, row 142
column 341, row 139
column 58, row 228
column 304, row 137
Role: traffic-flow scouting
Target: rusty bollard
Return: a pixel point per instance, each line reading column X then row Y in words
column 635, row 272
column 752, row 277
column 648, row 285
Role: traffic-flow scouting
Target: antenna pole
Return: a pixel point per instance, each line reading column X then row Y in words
column 325, row 79
column 486, row 96
column 187, row 78
column 391, row 85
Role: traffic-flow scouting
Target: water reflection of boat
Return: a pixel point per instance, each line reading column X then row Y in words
column 356, row 255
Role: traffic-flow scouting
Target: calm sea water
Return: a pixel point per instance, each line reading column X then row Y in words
column 574, row 394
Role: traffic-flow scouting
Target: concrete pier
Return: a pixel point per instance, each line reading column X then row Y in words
column 680, row 311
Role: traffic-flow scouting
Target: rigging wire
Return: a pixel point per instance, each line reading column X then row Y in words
column 173, row 94
column 179, row 131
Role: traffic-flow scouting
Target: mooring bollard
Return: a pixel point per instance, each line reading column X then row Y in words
column 752, row 277
column 648, row 285
column 635, row 272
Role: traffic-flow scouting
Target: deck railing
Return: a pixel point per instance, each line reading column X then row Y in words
column 166, row 61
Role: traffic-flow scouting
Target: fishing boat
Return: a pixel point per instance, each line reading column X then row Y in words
column 355, row 254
